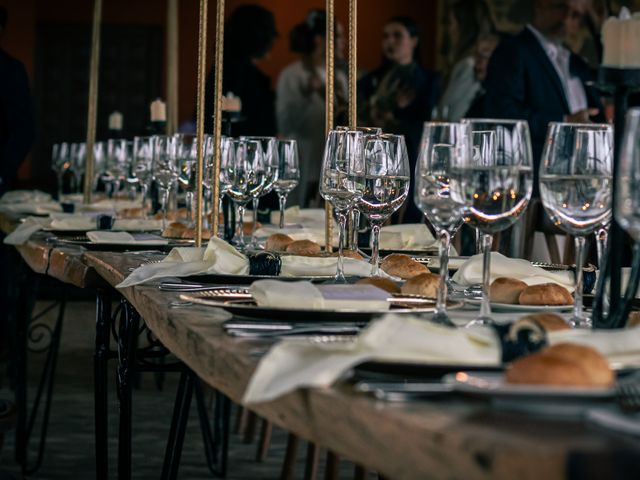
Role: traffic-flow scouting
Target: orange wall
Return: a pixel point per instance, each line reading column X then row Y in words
column 25, row 15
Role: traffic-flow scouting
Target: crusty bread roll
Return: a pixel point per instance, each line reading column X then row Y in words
column 546, row 294
column 506, row 290
column 348, row 254
column 137, row 212
column 277, row 242
column 425, row 284
column 189, row 233
column 402, row 266
column 303, row 247
column 633, row 320
column 173, row 214
column 563, row 364
column 174, row 230
column 550, row 322
column 380, row 282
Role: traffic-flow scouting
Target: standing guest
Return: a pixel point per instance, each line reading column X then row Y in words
column 249, row 34
column 300, row 98
column 400, row 94
column 467, row 20
column 17, row 130
column 534, row 77
column 485, row 46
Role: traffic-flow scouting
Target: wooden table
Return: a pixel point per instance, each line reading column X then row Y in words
column 448, row 439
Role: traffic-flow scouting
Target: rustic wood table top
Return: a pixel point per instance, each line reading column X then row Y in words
column 446, row 438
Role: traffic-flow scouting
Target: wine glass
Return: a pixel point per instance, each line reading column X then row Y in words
column 187, row 157
column 288, row 174
column 495, row 183
column 142, row 165
column 576, row 180
column 224, row 184
column 342, row 180
column 444, row 146
column 246, row 176
column 165, row 169
column 270, row 150
column 59, row 163
column 117, row 162
column 77, row 161
column 386, row 184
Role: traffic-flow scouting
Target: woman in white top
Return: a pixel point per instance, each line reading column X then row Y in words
column 300, row 99
column 466, row 21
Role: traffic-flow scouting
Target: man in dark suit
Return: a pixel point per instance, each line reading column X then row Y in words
column 16, row 114
column 533, row 76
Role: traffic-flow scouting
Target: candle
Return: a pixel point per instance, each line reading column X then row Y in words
column 231, row 103
column 621, row 40
column 158, row 111
column 115, row 121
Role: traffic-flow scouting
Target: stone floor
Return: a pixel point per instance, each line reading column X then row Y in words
column 70, row 443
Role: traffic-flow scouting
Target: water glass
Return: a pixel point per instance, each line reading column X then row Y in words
column 288, row 174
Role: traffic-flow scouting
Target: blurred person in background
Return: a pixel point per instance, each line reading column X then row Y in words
column 249, row 34
column 467, row 20
column 300, row 99
column 399, row 95
column 485, row 46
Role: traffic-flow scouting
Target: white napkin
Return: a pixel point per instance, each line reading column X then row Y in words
column 305, row 216
column 23, row 232
column 621, row 345
column 80, row 223
column 298, row 363
column 409, row 236
column 124, row 238
column 31, row 208
column 25, row 196
column 221, row 258
column 137, row 224
column 276, row 293
column 470, row 272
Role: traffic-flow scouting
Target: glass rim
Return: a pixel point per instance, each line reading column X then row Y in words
column 585, row 126
column 512, row 121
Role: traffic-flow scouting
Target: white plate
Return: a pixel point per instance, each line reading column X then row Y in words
column 506, row 307
column 566, row 402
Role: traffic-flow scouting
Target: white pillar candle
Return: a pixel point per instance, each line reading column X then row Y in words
column 115, row 121
column 158, row 111
column 621, row 40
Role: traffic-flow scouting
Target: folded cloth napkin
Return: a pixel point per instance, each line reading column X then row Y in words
column 276, row 293
column 44, row 208
column 23, row 232
column 221, row 258
column 470, row 272
column 298, row 363
column 81, row 223
column 617, row 345
column 108, row 205
column 25, row 196
column 410, row 236
column 124, row 238
column 309, row 217
column 136, row 224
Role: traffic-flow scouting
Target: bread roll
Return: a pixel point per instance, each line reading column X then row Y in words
column 303, row 247
column 380, row 282
column 173, row 215
column 546, row 294
column 137, row 212
column 402, row 266
column 550, row 322
column 506, row 290
column 189, row 233
column 633, row 320
column 425, row 284
column 278, row 242
column 348, row 254
column 174, row 230
column 564, row 364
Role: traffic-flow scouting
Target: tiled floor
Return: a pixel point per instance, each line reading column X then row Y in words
column 70, row 444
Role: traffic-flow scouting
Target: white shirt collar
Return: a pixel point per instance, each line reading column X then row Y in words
column 552, row 48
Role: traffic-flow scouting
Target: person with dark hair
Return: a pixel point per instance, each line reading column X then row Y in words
column 248, row 37
column 467, row 20
column 300, row 99
column 485, row 46
column 17, row 130
column 400, row 94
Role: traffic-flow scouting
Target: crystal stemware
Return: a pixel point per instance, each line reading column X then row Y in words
column 576, row 177
column 288, row 174
column 142, row 165
column 444, row 146
column 495, row 183
column 165, row 169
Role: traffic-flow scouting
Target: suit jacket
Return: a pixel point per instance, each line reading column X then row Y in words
column 522, row 83
column 17, row 130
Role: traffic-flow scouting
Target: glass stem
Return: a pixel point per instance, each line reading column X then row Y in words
column 375, row 249
column 342, row 220
column 188, row 198
column 165, row 200
column 255, row 220
column 485, row 309
column 144, row 191
column 355, row 224
column 601, row 244
column 282, row 199
column 240, row 225
column 478, row 241
column 443, row 247
column 577, row 304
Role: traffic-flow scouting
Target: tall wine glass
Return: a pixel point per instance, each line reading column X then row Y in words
column 226, row 160
column 288, row 174
column 117, row 161
column 59, row 163
column 444, row 147
column 142, row 165
column 495, row 183
column 576, row 180
column 386, row 184
column 342, row 180
column 246, row 176
column 270, row 165
column 165, row 169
